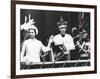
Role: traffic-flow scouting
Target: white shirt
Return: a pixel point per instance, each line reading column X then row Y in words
column 32, row 48
column 67, row 41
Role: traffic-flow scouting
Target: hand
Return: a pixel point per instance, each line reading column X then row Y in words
column 51, row 39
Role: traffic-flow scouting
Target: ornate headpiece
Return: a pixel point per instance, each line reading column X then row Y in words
column 29, row 25
column 62, row 23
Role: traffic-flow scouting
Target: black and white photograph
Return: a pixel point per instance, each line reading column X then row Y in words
column 54, row 39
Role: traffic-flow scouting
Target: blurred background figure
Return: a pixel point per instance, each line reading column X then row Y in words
column 84, row 45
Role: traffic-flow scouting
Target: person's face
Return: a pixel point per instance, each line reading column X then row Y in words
column 62, row 31
column 32, row 33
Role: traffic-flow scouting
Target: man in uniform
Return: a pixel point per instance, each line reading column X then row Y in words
column 63, row 40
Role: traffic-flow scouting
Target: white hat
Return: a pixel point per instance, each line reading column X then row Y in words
column 33, row 27
column 62, row 23
column 62, row 26
column 26, row 26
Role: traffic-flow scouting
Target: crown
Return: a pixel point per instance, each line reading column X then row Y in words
column 62, row 22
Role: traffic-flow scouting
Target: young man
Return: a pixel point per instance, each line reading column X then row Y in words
column 31, row 48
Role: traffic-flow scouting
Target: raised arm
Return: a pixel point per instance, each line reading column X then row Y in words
column 44, row 48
